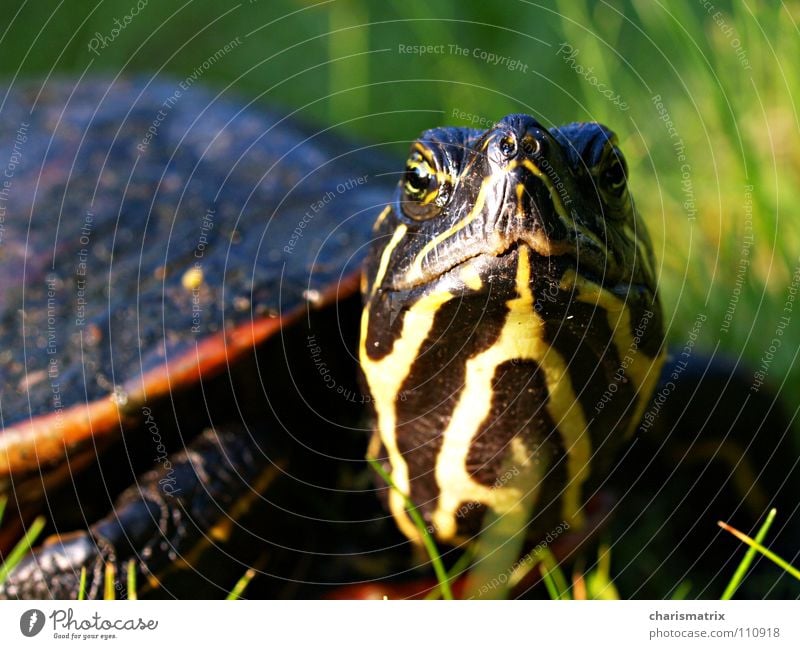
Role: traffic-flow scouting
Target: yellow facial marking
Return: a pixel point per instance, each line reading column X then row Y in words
column 520, row 191
column 399, row 233
column 416, row 268
column 561, row 210
column 554, row 195
column 425, row 152
column 471, row 277
column 381, row 218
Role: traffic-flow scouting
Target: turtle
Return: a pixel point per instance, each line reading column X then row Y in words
column 209, row 308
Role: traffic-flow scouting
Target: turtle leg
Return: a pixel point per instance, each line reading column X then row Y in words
column 163, row 524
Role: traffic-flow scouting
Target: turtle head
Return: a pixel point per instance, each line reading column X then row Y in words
column 469, row 197
column 507, row 278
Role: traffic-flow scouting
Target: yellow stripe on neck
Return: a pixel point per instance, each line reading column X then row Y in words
column 385, row 378
column 642, row 370
column 522, row 337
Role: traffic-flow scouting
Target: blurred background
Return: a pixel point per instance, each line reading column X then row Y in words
column 702, row 95
column 715, row 162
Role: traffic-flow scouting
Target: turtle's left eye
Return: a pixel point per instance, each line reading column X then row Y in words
column 614, row 175
column 423, row 194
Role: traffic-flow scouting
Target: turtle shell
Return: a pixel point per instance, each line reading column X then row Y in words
column 150, row 235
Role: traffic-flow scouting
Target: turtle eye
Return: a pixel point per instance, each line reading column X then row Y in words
column 418, row 180
column 614, row 176
column 423, row 194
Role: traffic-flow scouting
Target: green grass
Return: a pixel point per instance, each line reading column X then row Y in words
column 22, row 547
column 427, row 540
column 82, row 585
column 241, row 585
column 26, row 543
column 755, row 546
column 596, row 584
column 747, row 560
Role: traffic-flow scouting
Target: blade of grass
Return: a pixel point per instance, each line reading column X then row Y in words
column 599, row 583
column 3, row 501
column 427, row 539
column 738, row 576
column 21, row 548
column 82, row 585
column 794, row 572
column 579, row 588
column 132, row 580
column 552, row 572
column 681, row 591
column 109, row 593
column 549, row 583
column 239, row 588
column 528, row 563
column 458, row 568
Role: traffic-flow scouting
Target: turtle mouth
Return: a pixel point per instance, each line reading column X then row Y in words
column 492, row 260
column 489, row 256
column 512, row 224
column 501, row 266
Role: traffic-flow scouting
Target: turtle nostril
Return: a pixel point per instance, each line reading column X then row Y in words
column 508, row 146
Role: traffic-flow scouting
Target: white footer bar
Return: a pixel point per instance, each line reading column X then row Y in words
column 401, row 624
